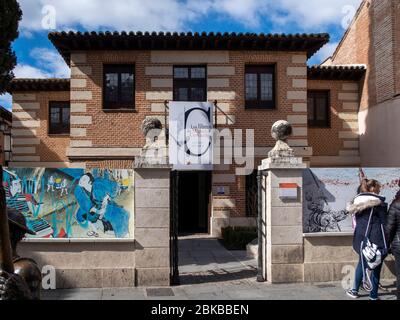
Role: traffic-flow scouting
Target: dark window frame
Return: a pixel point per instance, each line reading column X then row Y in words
column 60, row 129
column 189, row 82
column 258, row 103
column 313, row 123
column 119, row 105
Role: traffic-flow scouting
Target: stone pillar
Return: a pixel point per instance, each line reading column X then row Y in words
column 282, row 224
column 152, row 225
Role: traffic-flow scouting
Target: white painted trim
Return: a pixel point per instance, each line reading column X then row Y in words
column 24, row 96
column 335, row 160
column 106, row 153
column 221, row 95
column 184, row 57
column 221, row 71
column 54, row 165
column 26, row 106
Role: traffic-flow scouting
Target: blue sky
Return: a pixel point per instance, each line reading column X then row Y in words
column 37, row 58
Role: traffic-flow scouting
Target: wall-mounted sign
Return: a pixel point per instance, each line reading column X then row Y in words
column 288, row 191
column 191, row 135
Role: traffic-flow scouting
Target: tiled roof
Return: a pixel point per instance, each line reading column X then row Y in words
column 51, row 84
column 66, row 42
column 348, row 72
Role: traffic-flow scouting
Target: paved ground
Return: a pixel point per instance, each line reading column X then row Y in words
column 208, row 271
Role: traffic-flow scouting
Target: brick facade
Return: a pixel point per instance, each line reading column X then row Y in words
column 373, row 40
column 31, row 141
column 112, row 139
column 337, row 145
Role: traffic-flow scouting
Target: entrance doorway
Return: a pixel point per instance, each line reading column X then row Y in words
column 194, row 189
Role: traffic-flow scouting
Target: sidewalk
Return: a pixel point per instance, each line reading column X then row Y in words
column 210, row 272
column 247, row 289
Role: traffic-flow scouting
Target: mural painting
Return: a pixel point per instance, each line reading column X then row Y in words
column 328, row 191
column 73, row 203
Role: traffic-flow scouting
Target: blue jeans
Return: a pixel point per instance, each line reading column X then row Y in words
column 375, row 279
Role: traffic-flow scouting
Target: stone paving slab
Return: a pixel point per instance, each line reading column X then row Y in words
column 223, row 291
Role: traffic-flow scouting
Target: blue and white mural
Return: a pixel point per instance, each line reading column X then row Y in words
column 328, row 191
column 73, row 203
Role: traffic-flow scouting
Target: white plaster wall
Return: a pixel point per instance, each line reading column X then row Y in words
column 380, row 135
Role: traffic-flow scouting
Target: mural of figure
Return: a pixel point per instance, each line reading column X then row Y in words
column 50, row 184
column 323, row 220
column 96, row 205
column 64, row 187
column 18, row 200
column 15, row 187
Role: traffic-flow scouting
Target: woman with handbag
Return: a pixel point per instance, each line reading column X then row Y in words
column 393, row 232
column 369, row 211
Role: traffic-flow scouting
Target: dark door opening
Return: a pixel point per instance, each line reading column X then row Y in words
column 194, row 201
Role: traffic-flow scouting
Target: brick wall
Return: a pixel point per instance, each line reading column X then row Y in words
column 397, row 45
column 102, row 138
column 31, row 142
column 154, row 85
column 373, row 39
column 339, row 144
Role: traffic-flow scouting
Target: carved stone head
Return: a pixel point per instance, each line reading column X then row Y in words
column 281, row 130
column 151, row 129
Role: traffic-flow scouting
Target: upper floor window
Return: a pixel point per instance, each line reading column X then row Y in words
column 318, row 109
column 59, row 117
column 190, row 83
column 119, row 87
column 260, row 86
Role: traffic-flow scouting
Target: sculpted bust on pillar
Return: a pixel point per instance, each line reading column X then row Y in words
column 282, row 154
column 281, row 131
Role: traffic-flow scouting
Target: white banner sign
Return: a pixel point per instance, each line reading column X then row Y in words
column 191, row 135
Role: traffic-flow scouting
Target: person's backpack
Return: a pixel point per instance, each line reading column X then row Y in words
column 371, row 254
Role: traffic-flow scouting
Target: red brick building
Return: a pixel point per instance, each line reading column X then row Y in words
column 256, row 79
column 373, row 40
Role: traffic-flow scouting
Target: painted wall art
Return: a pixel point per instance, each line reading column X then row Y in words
column 327, row 192
column 73, row 203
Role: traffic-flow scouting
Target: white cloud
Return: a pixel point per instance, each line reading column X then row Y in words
column 27, row 71
column 177, row 15
column 312, row 15
column 116, row 15
column 51, row 61
column 244, row 11
column 49, row 64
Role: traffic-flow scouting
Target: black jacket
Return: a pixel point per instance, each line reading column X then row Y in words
column 361, row 208
column 393, row 225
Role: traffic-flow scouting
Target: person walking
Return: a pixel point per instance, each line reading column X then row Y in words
column 369, row 211
column 393, row 233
